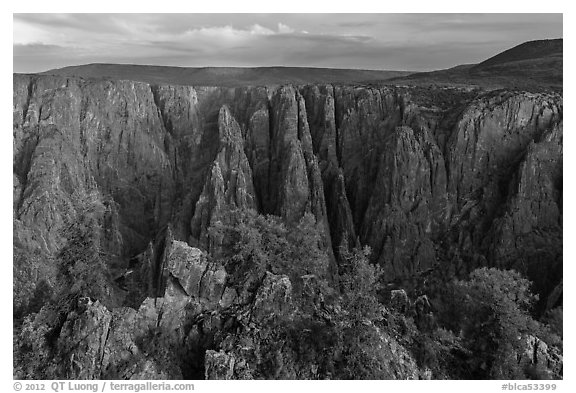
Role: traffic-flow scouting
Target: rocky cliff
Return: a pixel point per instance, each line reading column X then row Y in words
column 433, row 180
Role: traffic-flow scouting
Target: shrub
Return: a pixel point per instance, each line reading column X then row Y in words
column 493, row 308
column 253, row 244
column 359, row 284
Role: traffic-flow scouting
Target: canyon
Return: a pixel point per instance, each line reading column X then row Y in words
column 437, row 181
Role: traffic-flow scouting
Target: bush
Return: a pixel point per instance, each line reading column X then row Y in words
column 253, row 244
column 493, row 315
column 359, row 284
column 333, row 328
column 362, row 344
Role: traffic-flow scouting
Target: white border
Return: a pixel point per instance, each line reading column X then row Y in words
column 356, row 6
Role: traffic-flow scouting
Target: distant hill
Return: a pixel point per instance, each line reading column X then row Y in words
column 533, row 65
column 530, row 50
column 224, row 76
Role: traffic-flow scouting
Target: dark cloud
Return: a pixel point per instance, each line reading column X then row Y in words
column 358, row 24
column 322, row 38
column 171, row 46
column 36, row 49
column 98, row 23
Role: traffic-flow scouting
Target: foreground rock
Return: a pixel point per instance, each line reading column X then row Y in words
column 198, row 328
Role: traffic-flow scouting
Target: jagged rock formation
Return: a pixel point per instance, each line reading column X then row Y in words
column 163, row 339
column 229, row 182
column 373, row 165
column 148, row 343
column 538, row 354
column 430, row 179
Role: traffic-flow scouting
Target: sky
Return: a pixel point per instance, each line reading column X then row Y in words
column 415, row 42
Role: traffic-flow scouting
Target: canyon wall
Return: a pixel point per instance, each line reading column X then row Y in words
column 432, row 179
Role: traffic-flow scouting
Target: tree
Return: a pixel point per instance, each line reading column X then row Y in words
column 493, row 308
column 360, row 339
column 334, row 328
column 253, row 244
column 359, row 283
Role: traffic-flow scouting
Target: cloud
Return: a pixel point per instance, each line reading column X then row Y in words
column 358, row 24
column 227, row 32
column 36, row 48
column 306, row 37
column 371, row 41
column 284, row 29
column 260, row 30
column 230, row 32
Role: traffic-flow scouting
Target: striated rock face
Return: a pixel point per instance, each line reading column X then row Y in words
column 322, row 123
column 409, row 203
column 529, row 235
column 488, row 146
column 72, row 139
column 290, row 138
column 229, row 184
column 491, row 135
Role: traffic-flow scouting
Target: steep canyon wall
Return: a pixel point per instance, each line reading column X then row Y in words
column 430, row 179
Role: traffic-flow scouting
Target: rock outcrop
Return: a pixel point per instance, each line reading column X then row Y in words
column 229, row 184
column 152, row 342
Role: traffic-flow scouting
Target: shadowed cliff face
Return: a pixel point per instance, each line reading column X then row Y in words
column 427, row 178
